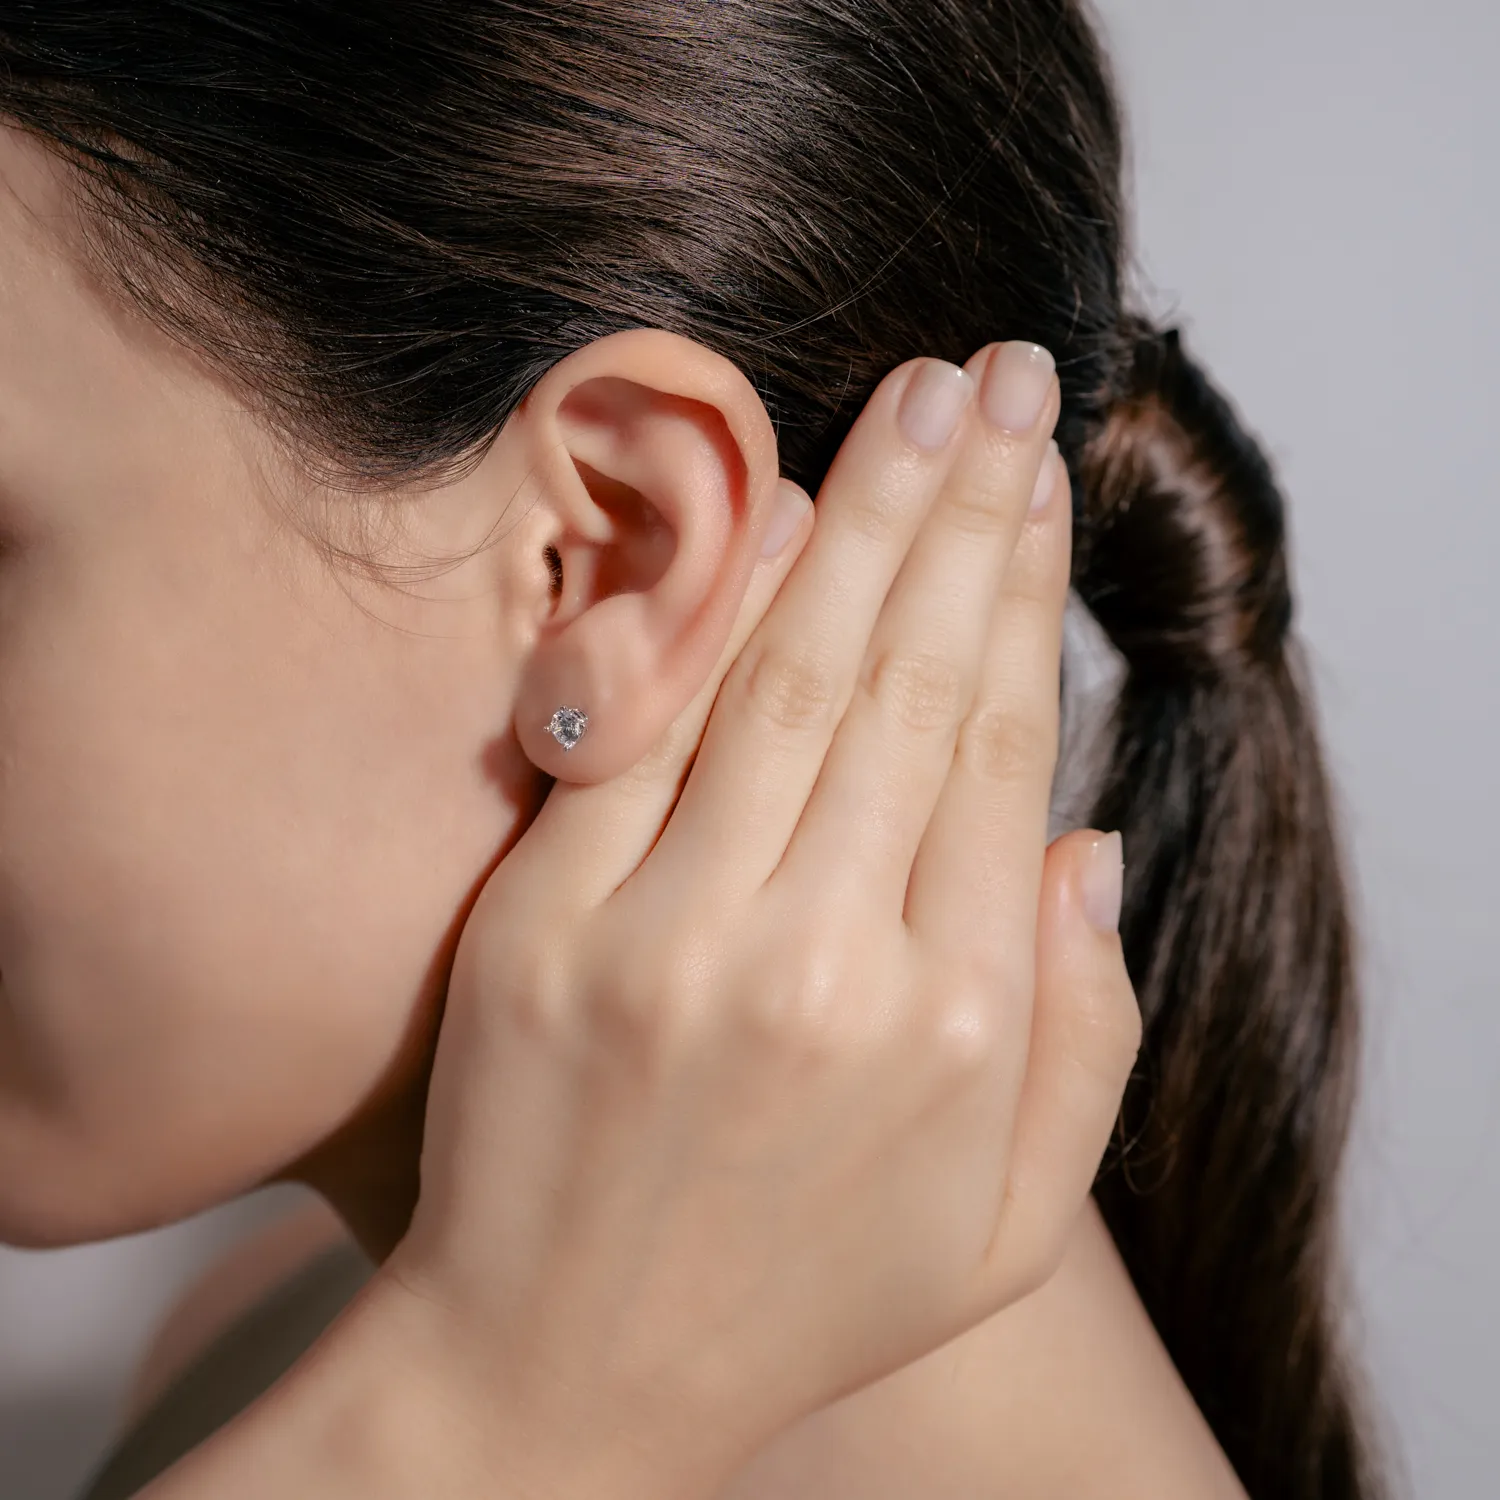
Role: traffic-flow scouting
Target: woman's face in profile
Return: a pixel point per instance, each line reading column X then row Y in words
column 246, row 796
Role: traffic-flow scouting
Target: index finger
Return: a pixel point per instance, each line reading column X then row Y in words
column 608, row 828
column 782, row 706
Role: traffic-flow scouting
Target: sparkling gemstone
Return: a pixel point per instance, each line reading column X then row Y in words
column 567, row 726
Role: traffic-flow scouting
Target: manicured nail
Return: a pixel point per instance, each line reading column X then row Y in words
column 1104, row 882
column 1046, row 481
column 787, row 511
column 1016, row 385
column 934, row 403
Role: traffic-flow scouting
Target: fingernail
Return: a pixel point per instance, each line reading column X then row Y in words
column 1016, row 385
column 934, row 403
column 1046, row 481
column 1104, row 883
column 787, row 510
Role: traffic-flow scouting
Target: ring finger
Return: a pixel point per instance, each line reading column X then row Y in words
column 781, row 703
column 894, row 748
column 976, row 880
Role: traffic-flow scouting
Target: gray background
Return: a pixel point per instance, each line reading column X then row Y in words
column 1317, row 200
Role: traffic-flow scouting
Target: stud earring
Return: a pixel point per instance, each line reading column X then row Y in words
column 567, row 726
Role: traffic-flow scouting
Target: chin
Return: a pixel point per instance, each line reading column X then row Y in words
column 47, row 1221
column 44, row 1206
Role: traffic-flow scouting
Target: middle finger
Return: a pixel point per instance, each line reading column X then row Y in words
column 894, row 747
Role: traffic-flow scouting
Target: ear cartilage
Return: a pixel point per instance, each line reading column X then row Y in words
column 567, row 726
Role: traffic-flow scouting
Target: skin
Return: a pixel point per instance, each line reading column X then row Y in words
column 310, row 772
column 314, row 773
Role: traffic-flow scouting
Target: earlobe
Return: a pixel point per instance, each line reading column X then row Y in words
column 658, row 462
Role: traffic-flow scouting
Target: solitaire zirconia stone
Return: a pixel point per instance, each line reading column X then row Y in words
column 567, row 726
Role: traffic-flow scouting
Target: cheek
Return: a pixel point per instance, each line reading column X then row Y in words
column 189, row 1011
column 221, row 913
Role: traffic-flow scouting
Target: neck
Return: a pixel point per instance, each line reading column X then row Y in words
column 1067, row 1392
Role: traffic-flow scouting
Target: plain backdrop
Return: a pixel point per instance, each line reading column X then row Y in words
column 1316, row 187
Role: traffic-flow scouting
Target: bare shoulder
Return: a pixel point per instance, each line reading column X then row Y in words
column 231, row 1284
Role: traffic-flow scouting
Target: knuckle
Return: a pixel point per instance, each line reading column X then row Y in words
column 965, row 1036
column 1106, row 1032
column 673, row 752
column 1007, row 744
column 878, row 513
column 790, row 688
column 972, row 504
column 628, row 1015
column 811, row 1034
column 921, row 691
column 534, row 1007
column 642, row 1014
column 800, row 1014
column 529, row 976
column 1050, row 569
column 959, row 1019
column 1033, row 598
column 798, row 1025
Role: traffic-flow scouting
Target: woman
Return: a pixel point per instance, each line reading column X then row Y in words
column 377, row 230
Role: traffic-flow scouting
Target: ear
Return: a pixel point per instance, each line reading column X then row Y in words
column 657, row 467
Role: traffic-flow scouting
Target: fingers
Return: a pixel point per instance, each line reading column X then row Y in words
column 612, row 826
column 1085, row 1036
column 977, row 875
column 782, row 701
column 894, row 749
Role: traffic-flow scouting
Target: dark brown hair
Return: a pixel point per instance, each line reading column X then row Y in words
column 383, row 220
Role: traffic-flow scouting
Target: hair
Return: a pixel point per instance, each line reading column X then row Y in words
column 383, row 221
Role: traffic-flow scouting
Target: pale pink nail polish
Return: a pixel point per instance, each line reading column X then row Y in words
column 1016, row 385
column 1046, row 480
column 1104, row 883
column 788, row 509
column 934, row 403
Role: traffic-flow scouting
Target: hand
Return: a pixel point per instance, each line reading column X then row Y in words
column 744, row 1103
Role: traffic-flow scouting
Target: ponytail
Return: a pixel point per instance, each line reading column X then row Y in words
column 1236, row 928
